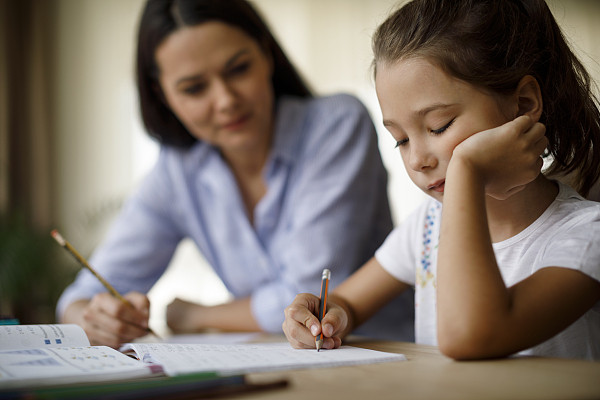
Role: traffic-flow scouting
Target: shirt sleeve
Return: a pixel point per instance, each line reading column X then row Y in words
column 338, row 194
column 138, row 246
column 575, row 248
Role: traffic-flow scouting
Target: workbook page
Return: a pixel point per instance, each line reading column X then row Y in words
column 14, row 337
column 68, row 365
column 245, row 358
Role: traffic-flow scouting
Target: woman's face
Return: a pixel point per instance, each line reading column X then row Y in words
column 428, row 112
column 217, row 80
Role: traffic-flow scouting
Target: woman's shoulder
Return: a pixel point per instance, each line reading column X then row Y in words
column 310, row 123
column 173, row 161
column 340, row 104
column 331, row 107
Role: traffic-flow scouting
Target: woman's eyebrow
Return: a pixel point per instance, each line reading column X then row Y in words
column 235, row 57
column 232, row 60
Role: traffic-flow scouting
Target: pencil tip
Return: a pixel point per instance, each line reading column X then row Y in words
column 318, row 344
column 57, row 237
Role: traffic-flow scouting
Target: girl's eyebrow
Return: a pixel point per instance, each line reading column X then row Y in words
column 387, row 123
column 232, row 60
column 436, row 106
column 422, row 112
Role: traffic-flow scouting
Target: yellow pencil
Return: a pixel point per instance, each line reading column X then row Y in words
column 57, row 236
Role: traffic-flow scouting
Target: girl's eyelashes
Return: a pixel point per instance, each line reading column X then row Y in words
column 438, row 131
column 401, row 143
column 443, row 128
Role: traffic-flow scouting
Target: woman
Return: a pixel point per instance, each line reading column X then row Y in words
column 271, row 183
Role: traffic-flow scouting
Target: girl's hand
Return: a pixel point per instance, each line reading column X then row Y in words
column 505, row 158
column 301, row 326
column 108, row 321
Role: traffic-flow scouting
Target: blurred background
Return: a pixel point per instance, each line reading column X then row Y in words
column 72, row 146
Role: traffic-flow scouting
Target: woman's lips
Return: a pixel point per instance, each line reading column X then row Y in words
column 235, row 124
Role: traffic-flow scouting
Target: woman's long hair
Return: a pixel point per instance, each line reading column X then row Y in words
column 160, row 18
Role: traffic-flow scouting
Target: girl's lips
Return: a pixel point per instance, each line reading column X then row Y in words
column 438, row 186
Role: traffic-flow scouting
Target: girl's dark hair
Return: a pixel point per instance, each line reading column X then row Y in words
column 495, row 43
column 160, row 18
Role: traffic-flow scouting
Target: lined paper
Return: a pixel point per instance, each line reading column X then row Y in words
column 245, row 358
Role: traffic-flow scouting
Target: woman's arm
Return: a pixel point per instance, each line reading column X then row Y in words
column 136, row 251
column 108, row 321
column 187, row 317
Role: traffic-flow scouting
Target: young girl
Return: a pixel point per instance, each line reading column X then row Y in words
column 465, row 88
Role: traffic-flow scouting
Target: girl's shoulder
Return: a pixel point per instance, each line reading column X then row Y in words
column 570, row 205
column 425, row 219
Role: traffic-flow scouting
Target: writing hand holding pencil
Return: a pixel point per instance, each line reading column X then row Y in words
column 318, row 322
column 108, row 318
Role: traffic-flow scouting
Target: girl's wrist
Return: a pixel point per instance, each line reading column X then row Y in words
column 350, row 316
column 461, row 168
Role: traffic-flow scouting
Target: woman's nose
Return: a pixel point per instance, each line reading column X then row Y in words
column 224, row 96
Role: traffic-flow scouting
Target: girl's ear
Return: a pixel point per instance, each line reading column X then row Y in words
column 529, row 98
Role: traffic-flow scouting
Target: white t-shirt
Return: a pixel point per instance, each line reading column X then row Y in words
column 566, row 235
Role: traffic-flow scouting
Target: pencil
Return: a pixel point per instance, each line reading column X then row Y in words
column 323, row 304
column 57, row 236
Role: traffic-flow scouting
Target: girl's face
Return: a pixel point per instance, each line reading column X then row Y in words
column 217, row 80
column 428, row 112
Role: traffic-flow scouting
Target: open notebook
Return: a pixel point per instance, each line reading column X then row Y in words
column 54, row 354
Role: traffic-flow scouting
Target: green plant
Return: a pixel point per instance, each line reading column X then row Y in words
column 33, row 271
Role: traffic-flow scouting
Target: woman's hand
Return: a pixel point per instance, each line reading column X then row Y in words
column 183, row 316
column 505, row 158
column 235, row 316
column 301, row 326
column 108, row 321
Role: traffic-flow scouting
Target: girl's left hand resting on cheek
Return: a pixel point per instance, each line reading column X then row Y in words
column 301, row 325
column 505, row 158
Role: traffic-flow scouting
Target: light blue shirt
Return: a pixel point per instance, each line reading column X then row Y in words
column 326, row 206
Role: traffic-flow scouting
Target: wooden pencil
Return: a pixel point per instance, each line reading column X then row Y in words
column 64, row 243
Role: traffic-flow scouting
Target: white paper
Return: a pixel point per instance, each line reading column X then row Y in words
column 67, row 365
column 213, row 338
column 14, row 337
column 245, row 358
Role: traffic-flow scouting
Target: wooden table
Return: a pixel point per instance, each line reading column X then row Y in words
column 429, row 375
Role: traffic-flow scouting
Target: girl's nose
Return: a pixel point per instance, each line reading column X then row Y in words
column 421, row 158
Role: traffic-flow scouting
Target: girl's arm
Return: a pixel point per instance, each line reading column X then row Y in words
column 349, row 305
column 478, row 316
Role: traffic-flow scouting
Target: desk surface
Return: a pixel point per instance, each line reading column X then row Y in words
column 429, row 375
